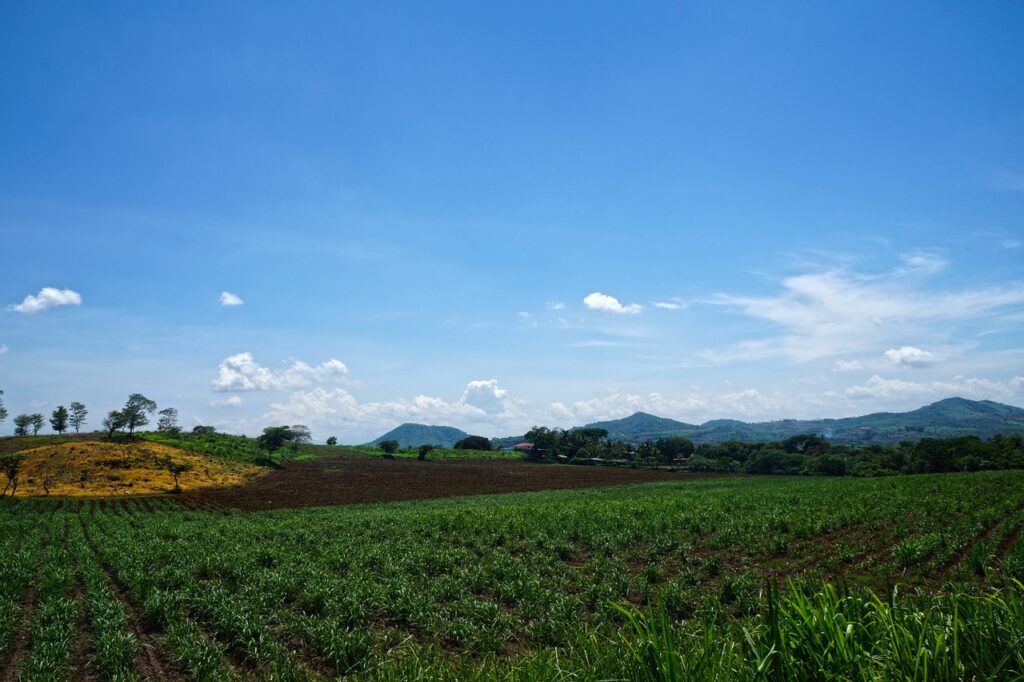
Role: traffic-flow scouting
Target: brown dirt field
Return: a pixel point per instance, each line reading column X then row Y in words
column 366, row 480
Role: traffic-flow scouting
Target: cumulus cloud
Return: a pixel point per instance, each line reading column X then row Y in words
column 229, row 299
column 486, row 395
column 839, row 311
column 230, row 401
column 909, row 356
column 48, row 297
column 483, row 403
column 241, row 372
column 610, row 304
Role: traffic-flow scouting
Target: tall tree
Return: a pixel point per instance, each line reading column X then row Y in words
column 136, row 412
column 78, row 414
column 21, row 424
column 59, row 419
column 3, row 410
column 114, row 421
column 37, row 422
column 168, row 422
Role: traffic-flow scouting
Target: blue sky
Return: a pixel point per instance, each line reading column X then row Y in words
column 498, row 216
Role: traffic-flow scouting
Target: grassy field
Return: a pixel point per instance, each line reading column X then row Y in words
column 655, row 581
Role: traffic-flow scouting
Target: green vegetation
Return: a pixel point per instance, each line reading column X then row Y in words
column 664, row 581
column 473, row 443
column 803, row 454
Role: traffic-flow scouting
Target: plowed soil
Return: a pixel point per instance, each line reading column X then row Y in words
column 364, row 480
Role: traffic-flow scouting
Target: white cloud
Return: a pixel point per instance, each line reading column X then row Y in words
column 483, row 404
column 922, row 263
column 909, row 356
column 48, row 297
column 669, row 305
column 231, row 401
column 610, row 304
column 838, row 311
column 848, row 365
column 240, row 372
column 555, row 305
column 229, row 299
column 485, row 395
column 974, row 387
column 3, row 349
column 524, row 316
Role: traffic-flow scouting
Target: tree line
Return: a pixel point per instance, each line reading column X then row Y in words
column 808, row 454
column 135, row 414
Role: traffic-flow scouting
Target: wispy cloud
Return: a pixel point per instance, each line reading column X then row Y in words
column 1009, row 181
column 3, row 348
column 610, row 304
column 229, row 299
column 841, row 311
column 673, row 304
column 48, row 297
column 878, row 387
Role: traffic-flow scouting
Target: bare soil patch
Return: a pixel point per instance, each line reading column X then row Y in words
column 365, row 480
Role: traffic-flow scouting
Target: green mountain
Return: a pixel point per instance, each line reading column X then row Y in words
column 414, row 435
column 946, row 418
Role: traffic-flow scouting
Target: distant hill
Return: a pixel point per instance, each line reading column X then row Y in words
column 414, row 435
column 946, row 418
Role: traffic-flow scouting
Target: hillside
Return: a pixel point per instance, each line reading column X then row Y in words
column 85, row 468
column 945, row 418
column 413, row 435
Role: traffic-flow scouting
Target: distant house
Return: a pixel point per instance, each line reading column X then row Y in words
column 522, row 447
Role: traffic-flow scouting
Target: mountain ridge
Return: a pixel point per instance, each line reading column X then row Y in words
column 944, row 418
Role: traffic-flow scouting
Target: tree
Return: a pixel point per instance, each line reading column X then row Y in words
column 21, row 424
column 59, row 419
column 10, row 465
column 333, row 440
column 175, row 469
column 136, row 412
column 275, row 437
column 204, row 430
column 301, row 433
column 672, row 447
column 425, row 450
column 114, row 421
column 36, row 420
column 168, row 422
column 3, row 410
column 388, row 447
column 78, row 414
column 473, row 443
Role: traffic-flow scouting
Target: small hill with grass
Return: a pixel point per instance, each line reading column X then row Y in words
column 92, row 468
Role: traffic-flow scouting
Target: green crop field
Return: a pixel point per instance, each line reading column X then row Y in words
column 910, row 577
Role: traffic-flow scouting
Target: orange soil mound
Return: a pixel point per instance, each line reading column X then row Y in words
column 94, row 469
